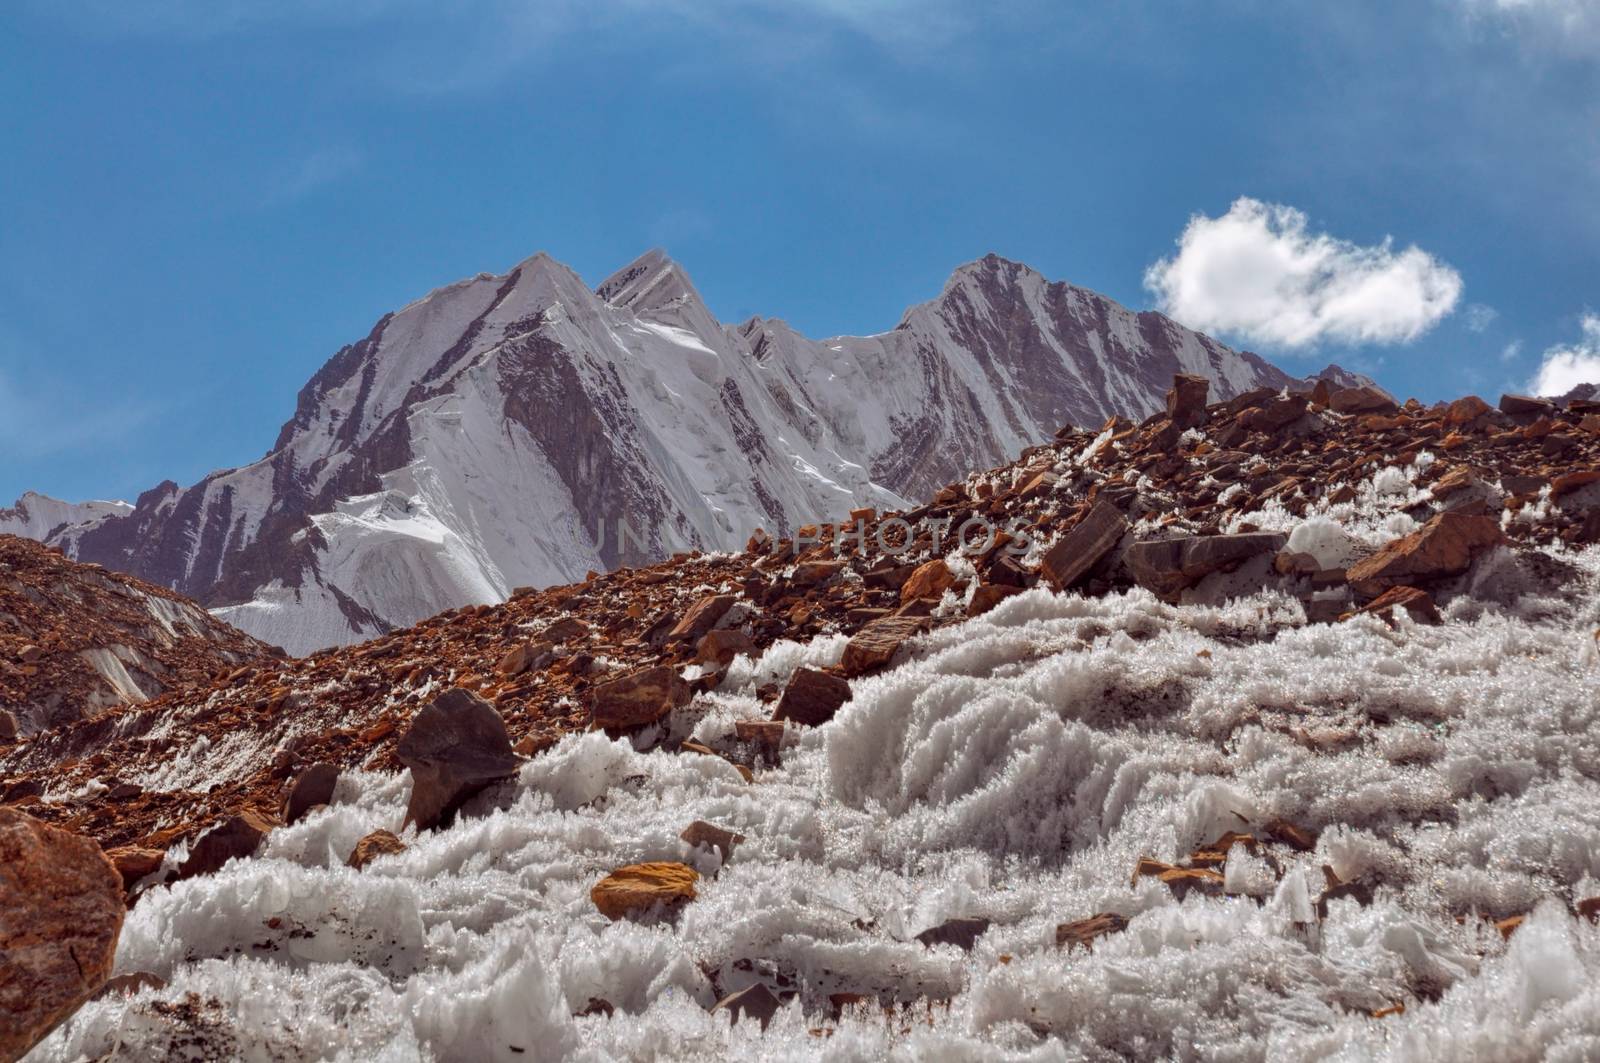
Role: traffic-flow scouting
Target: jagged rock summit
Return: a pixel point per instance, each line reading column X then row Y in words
column 521, row 429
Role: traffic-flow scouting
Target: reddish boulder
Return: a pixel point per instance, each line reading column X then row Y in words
column 134, row 862
column 812, row 697
column 237, row 837
column 1445, row 546
column 876, row 644
column 1364, row 399
column 1419, row 604
column 638, row 698
column 720, row 647
column 61, row 909
column 711, row 836
column 928, row 581
column 457, row 747
column 701, row 618
column 1186, row 400
column 1071, row 558
column 521, row 658
column 312, row 787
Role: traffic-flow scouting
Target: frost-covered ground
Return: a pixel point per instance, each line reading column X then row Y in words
column 1014, row 769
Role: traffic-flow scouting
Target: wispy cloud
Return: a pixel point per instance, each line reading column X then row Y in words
column 304, row 176
column 1566, row 366
column 1479, row 317
column 1259, row 272
column 1569, row 25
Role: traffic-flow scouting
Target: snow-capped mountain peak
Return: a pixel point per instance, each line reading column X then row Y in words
column 522, row 429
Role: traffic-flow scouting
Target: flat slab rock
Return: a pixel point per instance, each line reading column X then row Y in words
column 61, row 909
column 638, row 698
column 1170, row 566
column 637, row 888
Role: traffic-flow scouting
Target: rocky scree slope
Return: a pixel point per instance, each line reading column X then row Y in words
column 521, row 430
column 77, row 639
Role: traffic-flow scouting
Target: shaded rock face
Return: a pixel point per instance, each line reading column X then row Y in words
column 1071, row 558
column 1445, row 546
column 1170, row 566
column 812, row 697
column 577, row 409
column 637, row 699
column 235, row 838
column 457, row 747
column 61, row 910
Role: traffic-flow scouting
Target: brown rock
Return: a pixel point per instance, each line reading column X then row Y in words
column 754, row 1002
column 525, row 656
column 378, row 843
column 312, row 787
column 30, row 654
column 1071, row 558
column 134, row 862
column 1361, row 400
column 962, row 933
column 456, row 747
column 1445, row 546
column 701, row 618
column 812, row 697
column 638, row 698
column 1169, row 566
column 1290, row 834
column 930, row 580
column 8, row 726
column 1526, row 408
column 1418, row 603
column 61, row 909
column 129, row 984
column 639, row 887
column 721, row 646
column 712, row 836
column 237, row 837
column 1465, row 411
column 1084, row 931
column 567, row 629
column 988, row 596
column 1186, row 400
column 876, row 644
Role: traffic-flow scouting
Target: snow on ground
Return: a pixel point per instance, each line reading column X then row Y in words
column 1014, row 768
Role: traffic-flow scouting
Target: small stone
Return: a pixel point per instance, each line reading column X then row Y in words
column 812, row 697
column 530, row 656
column 638, row 698
column 61, row 910
column 456, row 747
column 8, row 726
column 129, row 984
column 1419, row 604
column 378, row 843
column 988, row 596
column 1364, row 399
column 30, row 654
column 712, row 836
column 962, row 933
column 567, row 629
column 1084, row 931
column 639, row 887
column 312, row 787
column 755, row 1002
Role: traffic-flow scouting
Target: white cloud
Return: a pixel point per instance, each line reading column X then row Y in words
column 1564, row 368
column 1259, row 274
column 1573, row 25
column 1480, row 317
column 1512, row 351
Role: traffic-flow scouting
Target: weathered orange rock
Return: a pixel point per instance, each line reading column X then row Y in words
column 721, row 646
column 1186, row 400
column 525, row 656
column 712, row 837
column 135, row 862
column 638, row 888
column 61, row 909
column 930, row 580
column 1361, row 400
column 1465, row 411
column 1071, row 558
column 812, row 697
column 1445, row 546
column 988, row 596
column 639, row 698
column 754, row 1002
column 378, row 843
column 876, row 643
column 701, row 618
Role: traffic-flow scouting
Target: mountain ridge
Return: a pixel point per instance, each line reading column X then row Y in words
column 522, row 428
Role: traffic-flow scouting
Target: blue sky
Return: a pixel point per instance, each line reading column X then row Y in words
column 204, row 200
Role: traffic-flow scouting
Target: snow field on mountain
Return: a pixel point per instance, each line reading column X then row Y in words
column 1014, row 768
